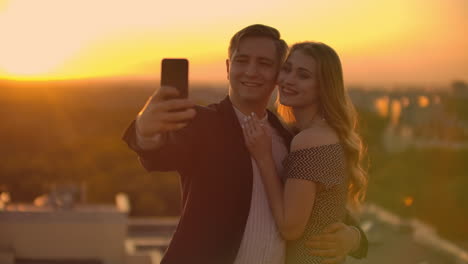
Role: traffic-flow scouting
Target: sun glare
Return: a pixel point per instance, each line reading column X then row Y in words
column 54, row 39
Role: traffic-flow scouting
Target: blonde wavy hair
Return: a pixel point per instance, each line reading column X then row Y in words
column 337, row 108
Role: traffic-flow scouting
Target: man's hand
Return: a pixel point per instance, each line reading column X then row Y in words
column 334, row 243
column 163, row 113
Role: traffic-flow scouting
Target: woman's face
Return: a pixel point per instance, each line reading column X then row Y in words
column 297, row 80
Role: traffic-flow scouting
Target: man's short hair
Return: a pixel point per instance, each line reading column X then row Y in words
column 259, row 30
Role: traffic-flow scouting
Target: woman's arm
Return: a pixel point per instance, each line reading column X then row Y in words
column 292, row 203
column 336, row 240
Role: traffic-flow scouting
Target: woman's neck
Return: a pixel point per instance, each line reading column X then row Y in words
column 306, row 116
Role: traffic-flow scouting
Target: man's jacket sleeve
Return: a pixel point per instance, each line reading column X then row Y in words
column 170, row 156
column 361, row 252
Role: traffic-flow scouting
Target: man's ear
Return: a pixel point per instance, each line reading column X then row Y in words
column 227, row 68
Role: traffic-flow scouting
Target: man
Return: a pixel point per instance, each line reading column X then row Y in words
column 225, row 216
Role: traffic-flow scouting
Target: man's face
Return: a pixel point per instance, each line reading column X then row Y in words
column 252, row 70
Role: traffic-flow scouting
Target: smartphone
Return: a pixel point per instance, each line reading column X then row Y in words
column 174, row 72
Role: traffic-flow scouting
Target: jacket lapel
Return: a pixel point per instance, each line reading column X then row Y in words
column 237, row 148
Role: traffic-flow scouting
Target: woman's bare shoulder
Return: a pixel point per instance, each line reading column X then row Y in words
column 314, row 137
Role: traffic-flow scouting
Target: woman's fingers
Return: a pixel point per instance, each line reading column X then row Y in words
column 249, row 125
column 256, row 124
column 247, row 132
column 252, row 127
column 244, row 129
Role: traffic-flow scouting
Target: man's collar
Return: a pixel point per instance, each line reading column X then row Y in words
column 241, row 116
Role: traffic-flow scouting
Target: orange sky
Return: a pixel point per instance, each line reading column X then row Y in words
column 380, row 42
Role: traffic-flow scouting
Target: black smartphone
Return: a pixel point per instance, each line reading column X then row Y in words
column 174, row 72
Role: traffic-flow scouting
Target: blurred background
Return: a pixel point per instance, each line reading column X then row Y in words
column 73, row 75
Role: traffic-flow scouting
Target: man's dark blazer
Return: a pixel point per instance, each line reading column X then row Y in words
column 216, row 180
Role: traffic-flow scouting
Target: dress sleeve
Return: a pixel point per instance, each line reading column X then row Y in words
column 322, row 164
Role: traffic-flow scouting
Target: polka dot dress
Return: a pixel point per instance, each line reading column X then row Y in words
column 324, row 165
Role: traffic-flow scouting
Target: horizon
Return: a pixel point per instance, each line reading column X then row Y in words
column 138, row 80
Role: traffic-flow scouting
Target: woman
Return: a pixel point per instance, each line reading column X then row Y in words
column 322, row 173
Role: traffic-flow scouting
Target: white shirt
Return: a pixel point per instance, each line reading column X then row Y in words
column 262, row 242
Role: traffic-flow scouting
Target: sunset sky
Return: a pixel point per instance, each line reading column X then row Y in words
column 380, row 42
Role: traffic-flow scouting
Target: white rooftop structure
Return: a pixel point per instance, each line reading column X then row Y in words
column 81, row 234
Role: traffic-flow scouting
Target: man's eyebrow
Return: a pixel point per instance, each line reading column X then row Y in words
column 241, row 56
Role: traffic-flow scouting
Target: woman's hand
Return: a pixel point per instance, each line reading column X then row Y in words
column 257, row 138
